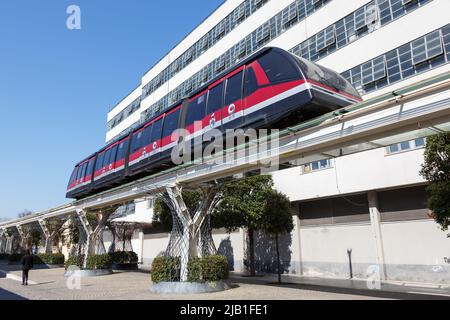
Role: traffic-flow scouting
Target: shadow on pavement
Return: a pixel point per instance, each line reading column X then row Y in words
column 8, row 295
column 341, row 290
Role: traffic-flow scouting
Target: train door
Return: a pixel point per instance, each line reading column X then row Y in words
column 256, row 90
column 155, row 140
column 168, row 137
column 193, row 123
column 213, row 118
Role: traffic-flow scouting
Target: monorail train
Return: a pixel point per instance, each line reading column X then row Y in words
column 271, row 89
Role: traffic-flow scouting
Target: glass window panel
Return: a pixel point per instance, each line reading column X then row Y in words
column 427, row 48
column 420, row 142
column 196, row 110
column 234, row 89
column 315, row 166
column 215, row 98
column 171, row 123
column 405, row 145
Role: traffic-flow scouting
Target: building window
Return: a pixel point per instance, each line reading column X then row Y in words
column 339, row 210
column 406, row 145
column 326, row 38
column 150, row 203
column 427, row 48
column 423, row 54
column 263, row 33
column 316, row 166
column 374, row 70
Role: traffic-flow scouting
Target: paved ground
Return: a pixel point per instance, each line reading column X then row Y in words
column 51, row 285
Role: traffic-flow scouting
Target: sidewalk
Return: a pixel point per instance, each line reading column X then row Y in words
column 388, row 289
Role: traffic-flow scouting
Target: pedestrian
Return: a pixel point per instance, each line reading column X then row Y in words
column 27, row 264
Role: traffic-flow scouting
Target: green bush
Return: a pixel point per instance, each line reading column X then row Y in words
column 74, row 261
column 49, row 258
column 165, row 269
column 99, row 262
column 210, row 268
column 124, row 257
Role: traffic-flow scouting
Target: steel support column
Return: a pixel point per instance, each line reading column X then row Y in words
column 48, row 241
column 2, row 241
column 191, row 236
column 88, row 229
column 22, row 236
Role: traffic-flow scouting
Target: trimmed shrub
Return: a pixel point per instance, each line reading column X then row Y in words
column 195, row 270
column 99, row 262
column 210, row 268
column 124, row 257
column 74, row 261
column 49, row 258
column 165, row 269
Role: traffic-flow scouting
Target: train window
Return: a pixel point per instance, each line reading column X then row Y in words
column 106, row 158
column 81, row 171
column 251, row 83
column 90, row 167
column 326, row 76
column 136, row 142
column 196, row 110
column 277, row 67
column 215, row 98
column 122, row 149
column 146, row 136
column 234, row 89
column 112, row 156
column 99, row 163
column 156, row 132
column 74, row 175
column 171, row 123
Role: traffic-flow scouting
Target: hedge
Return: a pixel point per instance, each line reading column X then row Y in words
column 210, row 268
column 49, row 258
column 99, row 262
column 74, row 261
column 165, row 269
column 124, row 257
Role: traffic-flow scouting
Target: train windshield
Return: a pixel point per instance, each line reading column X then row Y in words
column 73, row 176
column 326, row 76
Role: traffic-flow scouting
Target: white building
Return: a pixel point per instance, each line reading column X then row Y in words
column 370, row 205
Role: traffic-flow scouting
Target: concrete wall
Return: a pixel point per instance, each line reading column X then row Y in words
column 416, row 250
column 324, row 250
column 364, row 171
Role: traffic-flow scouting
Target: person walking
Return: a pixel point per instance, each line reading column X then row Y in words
column 27, row 265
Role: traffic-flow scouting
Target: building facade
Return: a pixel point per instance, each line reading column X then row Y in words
column 351, row 212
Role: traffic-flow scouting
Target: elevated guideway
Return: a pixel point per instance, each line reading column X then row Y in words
column 415, row 111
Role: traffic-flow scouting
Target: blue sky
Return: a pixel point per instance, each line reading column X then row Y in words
column 57, row 85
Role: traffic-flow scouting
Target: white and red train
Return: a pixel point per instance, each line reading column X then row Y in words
column 271, row 89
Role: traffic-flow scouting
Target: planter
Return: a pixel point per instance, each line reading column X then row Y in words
column 125, row 266
column 189, row 287
column 87, row 273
